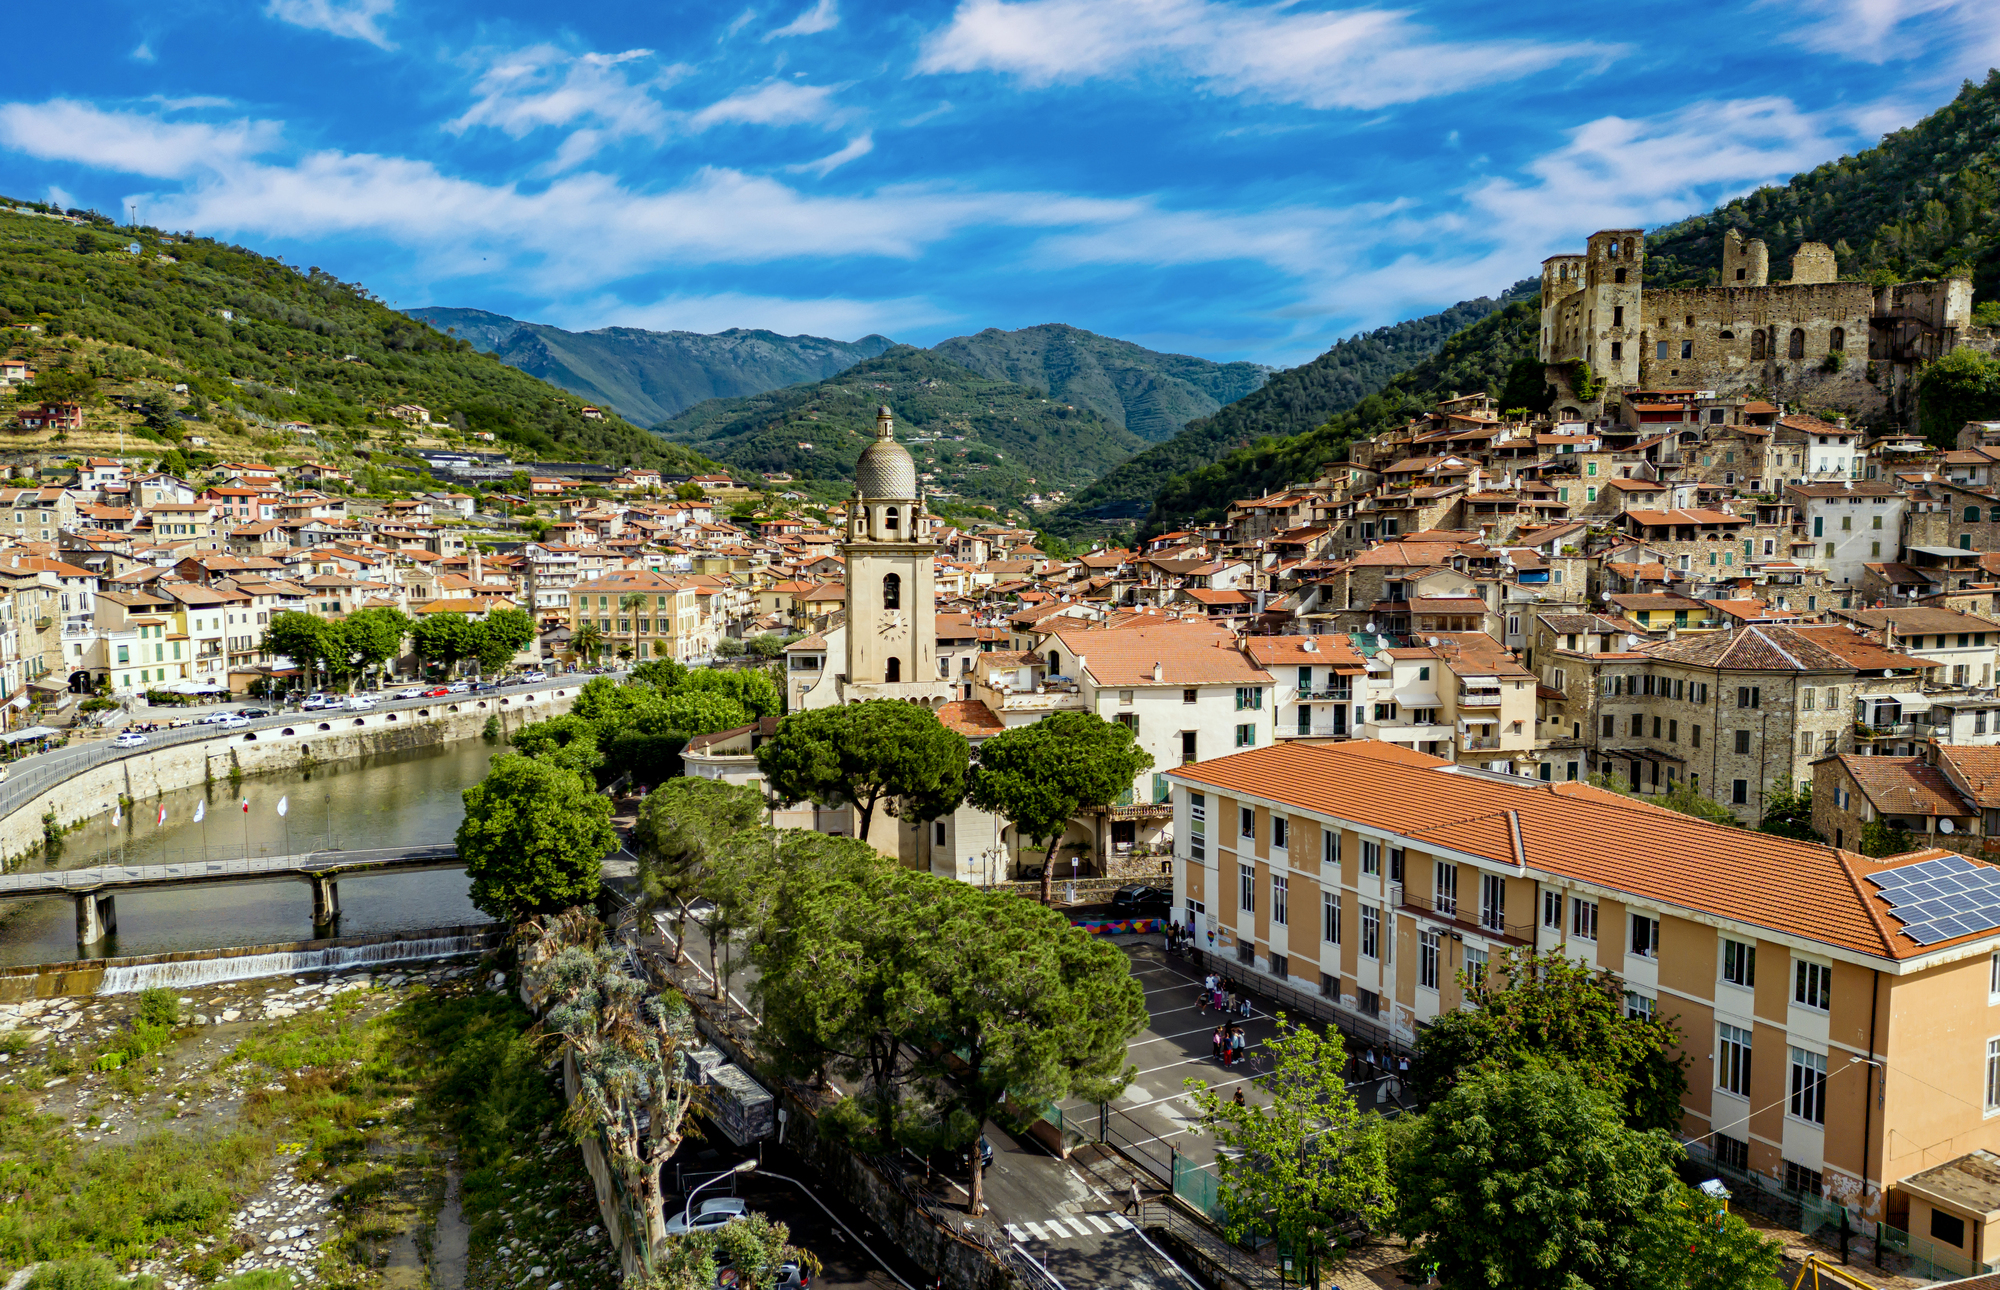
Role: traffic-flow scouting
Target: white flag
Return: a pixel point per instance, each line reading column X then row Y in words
column 117, row 813
column 200, row 810
column 282, row 804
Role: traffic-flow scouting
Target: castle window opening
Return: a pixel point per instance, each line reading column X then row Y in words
column 1617, row 351
column 1797, row 347
column 1757, row 343
column 892, row 591
column 1690, row 321
column 1618, row 275
column 1728, row 335
column 1739, row 275
column 1614, row 250
column 1618, row 315
column 889, row 519
column 1836, row 340
column 892, row 671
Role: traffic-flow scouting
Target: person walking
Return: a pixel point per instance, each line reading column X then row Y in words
column 1132, row 1205
column 1215, row 1044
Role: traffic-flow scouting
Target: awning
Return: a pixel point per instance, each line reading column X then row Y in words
column 1910, row 700
column 1416, row 698
column 48, row 685
column 32, row 732
column 196, row 687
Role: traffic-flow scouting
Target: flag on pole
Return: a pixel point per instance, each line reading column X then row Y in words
column 163, row 815
column 200, row 811
column 117, row 813
column 282, row 804
column 246, row 806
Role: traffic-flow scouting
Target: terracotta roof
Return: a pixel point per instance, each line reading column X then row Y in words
column 1903, row 785
column 970, row 718
column 1126, row 656
column 1662, row 857
column 1333, row 650
column 1777, row 649
column 1978, row 769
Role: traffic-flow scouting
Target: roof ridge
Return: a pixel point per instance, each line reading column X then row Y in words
column 1867, row 903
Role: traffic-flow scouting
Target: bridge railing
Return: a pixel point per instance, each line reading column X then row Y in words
column 31, row 777
column 238, row 865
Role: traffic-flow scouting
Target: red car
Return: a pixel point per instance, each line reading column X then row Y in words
column 438, row 693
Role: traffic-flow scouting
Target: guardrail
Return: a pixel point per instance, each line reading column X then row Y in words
column 301, row 865
column 30, row 777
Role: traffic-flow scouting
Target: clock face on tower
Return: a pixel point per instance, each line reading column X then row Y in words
column 892, row 622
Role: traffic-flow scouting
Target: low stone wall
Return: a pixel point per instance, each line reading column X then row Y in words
column 305, row 740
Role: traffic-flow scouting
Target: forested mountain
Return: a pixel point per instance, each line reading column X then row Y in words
column 648, row 376
column 1923, row 203
column 1291, row 401
column 1149, row 393
column 276, row 343
column 977, row 437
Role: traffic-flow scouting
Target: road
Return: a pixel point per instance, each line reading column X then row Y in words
column 1154, row 1119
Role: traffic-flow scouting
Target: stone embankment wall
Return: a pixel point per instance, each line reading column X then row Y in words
column 304, row 740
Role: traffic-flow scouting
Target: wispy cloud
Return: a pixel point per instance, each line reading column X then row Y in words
column 128, row 142
column 859, row 146
column 772, row 103
column 1961, row 37
column 542, row 86
column 144, row 52
column 1358, row 58
column 354, row 19
column 823, row 16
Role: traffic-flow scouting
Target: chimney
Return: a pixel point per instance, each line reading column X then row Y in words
column 1159, row 672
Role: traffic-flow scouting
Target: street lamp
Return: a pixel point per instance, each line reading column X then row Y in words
column 688, row 1209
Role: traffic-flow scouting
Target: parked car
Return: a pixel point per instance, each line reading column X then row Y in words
column 314, row 702
column 253, row 713
column 1138, row 898
column 359, row 703
column 129, row 739
column 529, row 678
column 462, row 687
column 231, row 721
column 720, row 1212
column 212, row 718
column 414, row 692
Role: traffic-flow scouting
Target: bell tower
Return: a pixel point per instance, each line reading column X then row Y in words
column 891, row 578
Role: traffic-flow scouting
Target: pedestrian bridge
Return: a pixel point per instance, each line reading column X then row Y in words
column 95, row 890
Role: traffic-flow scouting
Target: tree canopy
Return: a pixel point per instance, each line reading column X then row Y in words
column 534, row 838
column 1039, row 777
column 861, row 753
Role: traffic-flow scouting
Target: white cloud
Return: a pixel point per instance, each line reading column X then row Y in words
column 144, row 53
column 823, row 16
column 1961, row 36
column 131, row 143
column 60, row 198
column 773, row 103
column 859, row 146
column 354, row 19
column 837, row 317
column 1359, row 58
column 528, row 89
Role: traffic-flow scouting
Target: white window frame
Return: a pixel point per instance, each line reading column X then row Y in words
column 1329, row 917
column 1552, row 910
column 1281, row 904
column 1371, row 857
column 1246, row 888
column 1582, row 918
column 1429, row 956
column 1744, row 964
column 1805, row 1098
column 1371, row 933
column 1812, row 985
column 1734, row 1049
column 1329, row 846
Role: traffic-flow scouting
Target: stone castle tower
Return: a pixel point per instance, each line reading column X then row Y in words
column 891, row 579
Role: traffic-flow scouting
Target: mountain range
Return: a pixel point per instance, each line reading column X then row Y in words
column 648, row 376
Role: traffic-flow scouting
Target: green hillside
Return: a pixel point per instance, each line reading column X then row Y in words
column 981, row 438
column 648, row 376
column 267, row 342
column 1149, row 393
column 1923, row 203
column 1294, row 400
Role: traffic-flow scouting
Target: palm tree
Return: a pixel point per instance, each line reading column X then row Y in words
column 587, row 642
column 633, row 603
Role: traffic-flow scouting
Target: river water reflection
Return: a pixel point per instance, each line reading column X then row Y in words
column 398, row 799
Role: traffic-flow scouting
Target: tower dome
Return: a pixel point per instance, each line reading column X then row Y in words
column 885, row 468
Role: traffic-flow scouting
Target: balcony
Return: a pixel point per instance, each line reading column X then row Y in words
column 1325, row 696
column 1313, row 732
column 1479, row 698
column 1491, row 922
column 1479, row 743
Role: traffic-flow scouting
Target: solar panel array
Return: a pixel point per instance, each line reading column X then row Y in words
column 1942, row 899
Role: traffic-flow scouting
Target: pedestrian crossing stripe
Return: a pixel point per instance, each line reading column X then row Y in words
column 1061, row 1228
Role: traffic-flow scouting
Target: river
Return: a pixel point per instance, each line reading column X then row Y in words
column 404, row 798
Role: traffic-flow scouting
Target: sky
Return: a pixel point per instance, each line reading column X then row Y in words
column 1231, row 180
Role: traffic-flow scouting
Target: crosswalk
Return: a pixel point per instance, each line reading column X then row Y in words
column 1069, row 1227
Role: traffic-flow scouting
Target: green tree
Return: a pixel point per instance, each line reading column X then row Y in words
column 1962, row 386
column 586, row 642
column 769, row 644
column 1881, row 837
column 514, row 628
column 1528, row 1179
column 729, row 647
column 861, row 753
column 62, row 385
column 1692, row 801
column 1527, row 386
column 534, row 838
column 689, row 492
column 1550, row 1010
column 684, row 832
column 373, row 638
column 633, row 603
column 1042, row 776
column 1788, row 813
column 303, row 638
column 444, row 639
column 1305, row 1167
column 1022, row 1005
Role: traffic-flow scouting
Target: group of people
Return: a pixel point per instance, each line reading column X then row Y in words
column 1179, row 939
column 1219, row 993
column 1227, row 1044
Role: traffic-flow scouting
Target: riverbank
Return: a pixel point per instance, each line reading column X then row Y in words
column 394, row 1129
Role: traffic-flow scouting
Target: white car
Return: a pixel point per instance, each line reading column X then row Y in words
column 359, row 703
column 414, row 692
column 230, row 720
column 530, row 678
column 720, row 1212
column 214, row 718
column 129, row 739
column 463, row 687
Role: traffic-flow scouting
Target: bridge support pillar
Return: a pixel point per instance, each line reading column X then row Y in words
column 96, row 916
column 326, row 900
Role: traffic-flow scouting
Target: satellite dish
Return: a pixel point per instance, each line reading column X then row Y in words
column 1371, row 625
column 1604, row 595
column 1946, row 826
column 1631, row 641
column 1433, row 641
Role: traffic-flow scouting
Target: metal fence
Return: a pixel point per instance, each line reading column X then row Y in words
column 1925, row 1258
column 1198, row 1187
column 30, row 777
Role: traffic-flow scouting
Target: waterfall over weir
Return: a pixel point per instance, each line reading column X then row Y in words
column 182, row 974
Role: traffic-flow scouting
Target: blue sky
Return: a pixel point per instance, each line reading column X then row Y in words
column 1234, row 180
